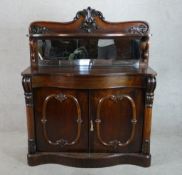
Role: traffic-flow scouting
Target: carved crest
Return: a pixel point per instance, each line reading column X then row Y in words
column 89, row 23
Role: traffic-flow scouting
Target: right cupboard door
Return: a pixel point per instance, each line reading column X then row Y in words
column 116, row 120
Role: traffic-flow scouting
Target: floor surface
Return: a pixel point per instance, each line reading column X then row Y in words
column 166, row 159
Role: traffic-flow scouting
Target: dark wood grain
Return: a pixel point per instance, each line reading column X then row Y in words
column 87, row 160
column 89, row 117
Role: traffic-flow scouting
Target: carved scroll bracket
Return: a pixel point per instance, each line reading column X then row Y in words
column 27, row 86
column 89, row 15
column 150, row 87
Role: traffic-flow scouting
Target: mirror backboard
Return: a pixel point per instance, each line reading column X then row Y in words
column 69, row 51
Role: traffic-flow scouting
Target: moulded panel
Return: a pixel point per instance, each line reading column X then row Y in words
column 61, row 119
column 118, row 120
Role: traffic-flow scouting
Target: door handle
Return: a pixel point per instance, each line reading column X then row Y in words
column 91, row 126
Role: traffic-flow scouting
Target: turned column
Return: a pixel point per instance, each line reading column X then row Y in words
column 149, row 96
column 27, row 86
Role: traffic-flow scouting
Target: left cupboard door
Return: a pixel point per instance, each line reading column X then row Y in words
column 61, row 119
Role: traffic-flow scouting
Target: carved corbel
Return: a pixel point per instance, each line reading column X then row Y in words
column 27, row 86
column 150, row 87
column 149, row 96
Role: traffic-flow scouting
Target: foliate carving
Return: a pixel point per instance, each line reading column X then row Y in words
column 139, row 29
column 31, row 146
column 89, row 13
column 62, row 142
column 27, row 86
column 150, row 87
column 39, row 30
column 89, row 23
column 61, row 98
column 146, row 147
column 116, row 143
column 116, row 98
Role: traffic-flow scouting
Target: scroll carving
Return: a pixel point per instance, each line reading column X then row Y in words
column 89, row 23
column 39, row 30
column 61, row 98
column 151, row 85
column 116, row 143
column 139, row 29
column 27, row 86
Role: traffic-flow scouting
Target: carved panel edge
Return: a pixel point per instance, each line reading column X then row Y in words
column 61, row 142
column 116, row 143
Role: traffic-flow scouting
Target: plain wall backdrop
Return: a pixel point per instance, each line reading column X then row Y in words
column 164, row 17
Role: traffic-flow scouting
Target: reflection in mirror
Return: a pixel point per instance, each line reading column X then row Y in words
column 69, row 51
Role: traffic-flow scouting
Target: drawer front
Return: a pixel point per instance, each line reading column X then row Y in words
column 88, row 82
column 61, row 119
column 117, row 117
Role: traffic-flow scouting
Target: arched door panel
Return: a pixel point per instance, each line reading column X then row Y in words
column 118, row 120
column 61, row 119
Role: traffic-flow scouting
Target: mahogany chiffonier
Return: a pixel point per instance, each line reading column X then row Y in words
column 89, row 92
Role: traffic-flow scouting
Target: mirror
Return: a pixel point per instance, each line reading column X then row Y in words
column 68, row 51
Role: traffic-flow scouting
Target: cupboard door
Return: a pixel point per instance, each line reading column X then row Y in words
column 61, row 119
column 118, row 120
